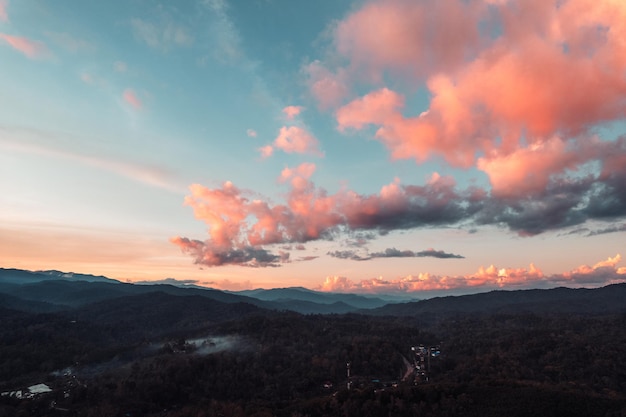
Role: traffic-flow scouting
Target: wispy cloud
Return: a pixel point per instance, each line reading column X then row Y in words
column 28, row 47
column 163, row 35
column 154, row 176
column 69, row 42
column 120, row 66
column 611, row 229
column 226, row 39
column 393, row 253
column 130, row 96
column 4, row 15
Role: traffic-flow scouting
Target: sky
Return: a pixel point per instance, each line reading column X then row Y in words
column 398, row 146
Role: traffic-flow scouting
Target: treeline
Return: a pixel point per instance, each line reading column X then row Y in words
column 284, row 364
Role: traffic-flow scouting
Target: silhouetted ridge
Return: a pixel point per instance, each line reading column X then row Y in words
column 558, row 300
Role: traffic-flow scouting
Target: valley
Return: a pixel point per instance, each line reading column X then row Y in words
column 113, row 349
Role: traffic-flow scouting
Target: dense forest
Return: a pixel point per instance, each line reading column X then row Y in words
column 159, row 354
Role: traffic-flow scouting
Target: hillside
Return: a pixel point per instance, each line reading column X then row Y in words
column 106, row 348
column 609, row 299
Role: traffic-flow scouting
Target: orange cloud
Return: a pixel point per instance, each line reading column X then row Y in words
column 410, row 37
column 266, row 151
column 301, row 172
column 602, row 273
column 294, row 139
column 235, row 221
column 31, row 49
column 379, row 107
column 501, row 83
column 131, row 98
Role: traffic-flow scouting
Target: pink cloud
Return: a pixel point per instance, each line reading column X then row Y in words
column 602, row 273
column 303, row 171
column 235, row 221
column 131, row 98
column 329, row 89
column 294, row 139
column 528, row 170
column 266, row 151
column 4, row 16
column 251, row 133
column 378, row 107
column 31, row 49
column 292, row 111
column 500, row 83
column 408, row 37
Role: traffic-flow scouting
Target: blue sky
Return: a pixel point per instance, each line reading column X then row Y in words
column 383, row 145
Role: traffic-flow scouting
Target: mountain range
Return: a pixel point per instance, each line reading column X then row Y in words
column 53, row 291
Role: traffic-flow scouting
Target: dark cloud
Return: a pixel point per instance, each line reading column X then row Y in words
column 348, row 254
column 393, row 253
column 568, row 199
column 207, row 255
column 172, row 281
column 438, row 254
column 611, row 229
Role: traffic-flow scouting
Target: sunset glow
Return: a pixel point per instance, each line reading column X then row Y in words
column 397, row 146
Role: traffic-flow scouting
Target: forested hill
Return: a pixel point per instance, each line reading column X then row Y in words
column 609, row 299
column 47, row 291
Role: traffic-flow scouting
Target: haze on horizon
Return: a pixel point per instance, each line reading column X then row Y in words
column 370, row 146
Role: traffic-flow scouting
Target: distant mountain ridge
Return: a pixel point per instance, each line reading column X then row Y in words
column 21, row 276
column 608, row 299
column 56, row 290
column 298, row 294
column 49, row 291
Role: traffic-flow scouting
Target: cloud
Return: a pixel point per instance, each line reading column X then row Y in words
column 238, row 219
column 30, row 48
column 293, row 139
column 610, row 229
column 410, row 38
column 432, row 253
column 349, row 254
column 154, row 176
column 208, row 255
column 171, row 281
column 251, row 133
column 4, row 16
column 266, row 151
column 292, row 111
column 131, row 98
column 120, row 66
column 328, row 88
column 69, row 42
column 163, row 35
column 499, row 84
column 393, row 253
column 226, row 46
column 602, row 273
